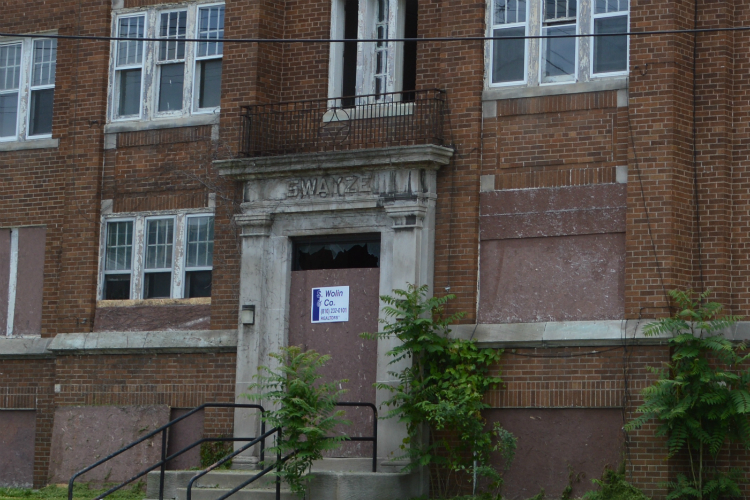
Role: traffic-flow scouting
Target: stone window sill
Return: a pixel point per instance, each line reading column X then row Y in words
column 198, row 301
column 30, row 144
column 164, row 123
column 599, row 85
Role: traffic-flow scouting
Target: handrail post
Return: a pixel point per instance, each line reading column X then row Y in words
column 163, row 463
column 278, row 466
column 262, row 443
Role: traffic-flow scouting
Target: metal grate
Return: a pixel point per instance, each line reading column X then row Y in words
column 371, row 121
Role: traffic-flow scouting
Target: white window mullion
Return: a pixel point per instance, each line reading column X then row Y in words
column 178, row 259
column 139, row 246
column 12, row 281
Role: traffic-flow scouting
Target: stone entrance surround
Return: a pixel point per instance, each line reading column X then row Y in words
column 391, row 191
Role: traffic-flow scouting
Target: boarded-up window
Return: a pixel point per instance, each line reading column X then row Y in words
column 21, row 280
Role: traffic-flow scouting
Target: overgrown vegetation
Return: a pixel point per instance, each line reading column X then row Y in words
column 305, row 411
column 80, row 492
column 702, row 399
column 212, row 452
column 442, row 393
column 614, row 486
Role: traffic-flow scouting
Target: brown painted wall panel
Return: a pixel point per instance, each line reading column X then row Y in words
column 17, row 434
column 30, row 281
column 352, row 357
column 150, row 318
column 182, row 434
column 533, row 213
column 80, row 433
column 565, row 278
column 554, row 442
column 4, row 276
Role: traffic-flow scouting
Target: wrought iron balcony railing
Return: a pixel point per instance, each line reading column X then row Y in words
column 369, row 121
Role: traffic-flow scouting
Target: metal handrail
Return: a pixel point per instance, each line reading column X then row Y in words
column 280, row 460
column 164, row 458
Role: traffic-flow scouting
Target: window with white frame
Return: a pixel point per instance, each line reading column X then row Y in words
column 518, row 61
column 175, row 259
column 168, row 77
column 373, row 68
column 27, row 88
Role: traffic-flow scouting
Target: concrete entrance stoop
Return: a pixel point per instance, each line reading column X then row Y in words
column 330, row 479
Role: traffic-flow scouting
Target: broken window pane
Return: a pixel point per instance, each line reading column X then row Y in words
column 337, row 253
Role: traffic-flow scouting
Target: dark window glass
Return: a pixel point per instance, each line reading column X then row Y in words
column 197, row 284
column 209, row 94
column 508, row 56
column 337, row 253
column 130, row 92
column 117, row 287
column 349, row 82
column 611, row 52
column 171, row 82
column 157, row 285
column 41, row 111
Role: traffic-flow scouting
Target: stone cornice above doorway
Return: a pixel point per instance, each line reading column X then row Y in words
column 427, row 156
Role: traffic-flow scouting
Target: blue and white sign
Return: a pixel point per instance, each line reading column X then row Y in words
column 330, row 304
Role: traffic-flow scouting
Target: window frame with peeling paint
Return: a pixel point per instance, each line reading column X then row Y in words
column 138, row 271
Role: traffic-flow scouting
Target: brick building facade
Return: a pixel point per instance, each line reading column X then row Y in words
column 558, row 189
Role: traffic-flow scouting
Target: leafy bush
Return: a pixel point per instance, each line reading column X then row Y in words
column 443, row 389
column 212, row 452
column 305, row 411
column 702, row 399
column 614, row 486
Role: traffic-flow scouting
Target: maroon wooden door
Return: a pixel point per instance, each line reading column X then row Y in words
column 352, row 357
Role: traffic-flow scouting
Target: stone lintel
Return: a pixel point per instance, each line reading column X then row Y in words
column 191, row 341
column 426, row 156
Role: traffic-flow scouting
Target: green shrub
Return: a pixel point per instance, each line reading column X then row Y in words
column 702, row 399
column 212, row 452
column 305, row 411
column 444, row 390
column 614, row 486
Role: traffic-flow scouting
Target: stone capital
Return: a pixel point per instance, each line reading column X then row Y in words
column 254, row 224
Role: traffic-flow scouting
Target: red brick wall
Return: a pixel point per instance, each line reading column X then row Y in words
column 177, row 380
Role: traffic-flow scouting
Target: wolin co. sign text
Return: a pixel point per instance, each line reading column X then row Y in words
column 330, row 304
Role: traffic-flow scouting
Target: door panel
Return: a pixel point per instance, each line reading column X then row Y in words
column 352, row 357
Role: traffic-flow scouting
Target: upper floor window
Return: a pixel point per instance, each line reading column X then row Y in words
column 168, row 77
column 556, row 60
column 372, row 68
column 27, row 88
column 162, row 256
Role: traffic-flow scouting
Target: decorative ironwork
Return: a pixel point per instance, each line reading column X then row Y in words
column 317, row 125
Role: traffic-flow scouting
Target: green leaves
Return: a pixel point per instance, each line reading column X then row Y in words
column 305, row 410
column 703, row 399
column 443, row 390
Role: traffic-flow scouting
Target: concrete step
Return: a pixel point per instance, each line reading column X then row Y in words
column 244, row 494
